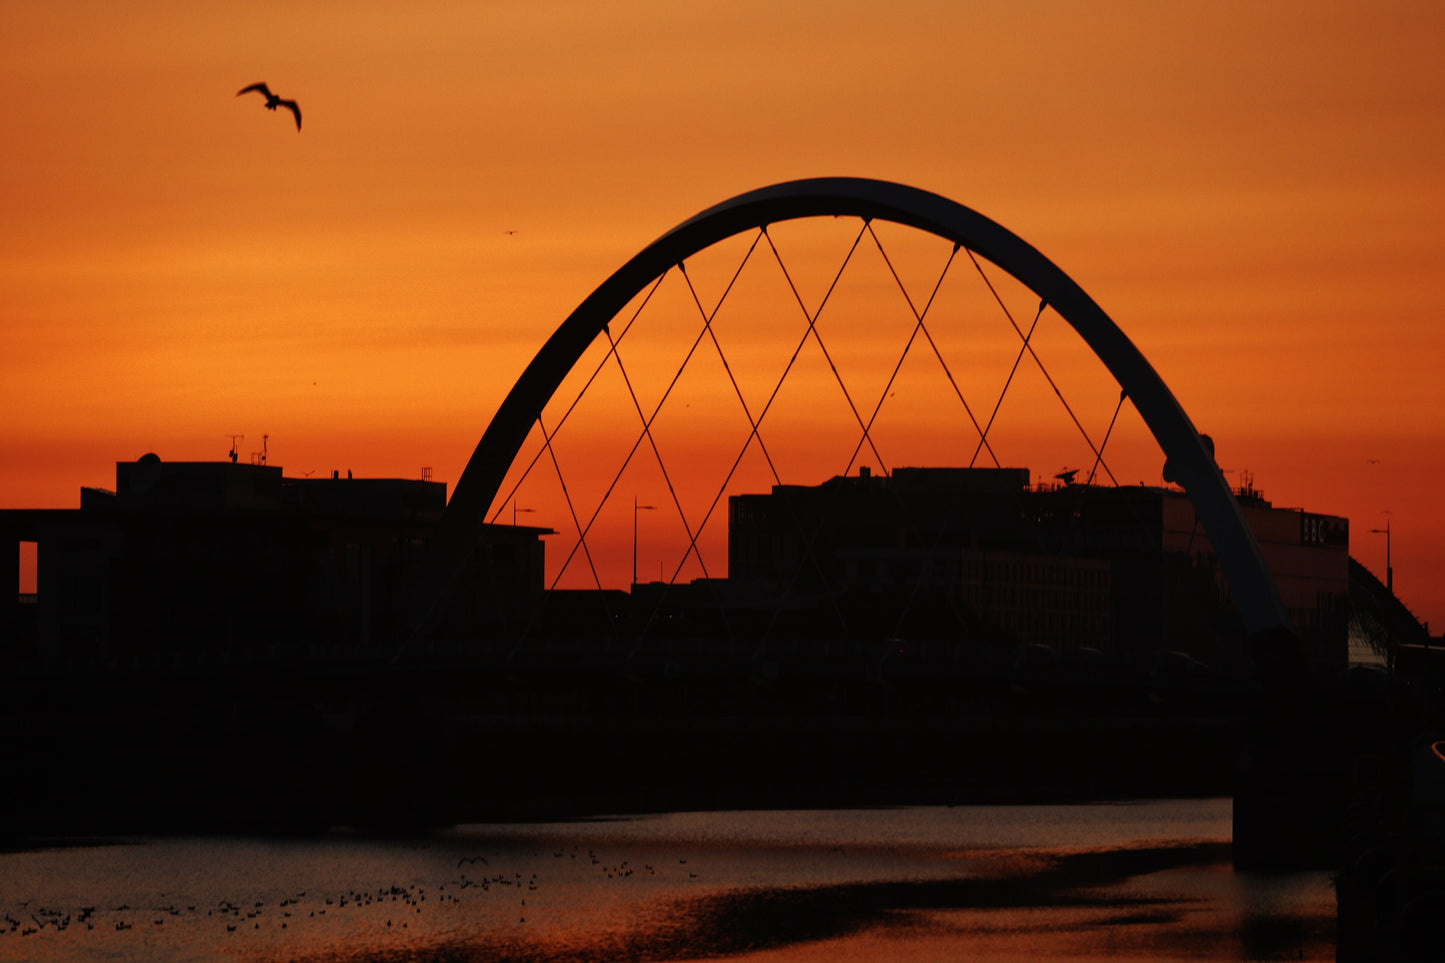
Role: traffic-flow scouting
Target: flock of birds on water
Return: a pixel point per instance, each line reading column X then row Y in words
column 398, row 904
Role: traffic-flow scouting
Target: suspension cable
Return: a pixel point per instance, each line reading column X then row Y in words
column 737, row 390
column 637, row 443
column 561, row 480
column 754, row 434
column 578, row 399
column 732, row 379
column 647, row 422
column 983, row 432
column 652, row 442
column 813, row 330
column 918, row 326
column 707, row 317
column 792, row 360
column 953, row 382
column 998, row 403
column 1105, row 443
column 1044, row 371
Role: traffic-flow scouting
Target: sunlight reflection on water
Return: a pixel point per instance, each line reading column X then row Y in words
column 1109, row 881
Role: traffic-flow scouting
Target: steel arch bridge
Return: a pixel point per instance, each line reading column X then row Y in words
column 1188, row 457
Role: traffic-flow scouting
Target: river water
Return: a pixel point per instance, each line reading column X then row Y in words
column 1145, row 880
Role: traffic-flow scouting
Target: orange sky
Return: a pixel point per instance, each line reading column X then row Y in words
column 1252, row 191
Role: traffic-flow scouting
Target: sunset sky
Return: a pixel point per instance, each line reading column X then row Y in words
column 1254, row 192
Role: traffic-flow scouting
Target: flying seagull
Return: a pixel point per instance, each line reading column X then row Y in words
column 272, row 101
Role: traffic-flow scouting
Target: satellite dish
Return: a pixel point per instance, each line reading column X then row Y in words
column 146, row 473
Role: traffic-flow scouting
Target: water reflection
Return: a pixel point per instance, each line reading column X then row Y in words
column 1117, row 882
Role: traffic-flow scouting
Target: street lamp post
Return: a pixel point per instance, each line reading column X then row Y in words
column 635, row 509
column 1389, row 569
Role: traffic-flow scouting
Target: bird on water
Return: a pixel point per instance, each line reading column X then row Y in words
column 273, row 101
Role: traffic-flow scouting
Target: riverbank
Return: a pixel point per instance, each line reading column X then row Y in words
column 1126, row 881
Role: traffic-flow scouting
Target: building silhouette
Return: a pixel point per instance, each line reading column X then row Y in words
column 217, row 563
column 980, row 560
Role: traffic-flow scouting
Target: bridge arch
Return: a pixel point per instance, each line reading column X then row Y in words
column 1190, row 461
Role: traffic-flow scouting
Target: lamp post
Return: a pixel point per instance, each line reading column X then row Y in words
column 635, row 509
column 1389, row 569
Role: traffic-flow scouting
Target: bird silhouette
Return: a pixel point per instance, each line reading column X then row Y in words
column 273, row 101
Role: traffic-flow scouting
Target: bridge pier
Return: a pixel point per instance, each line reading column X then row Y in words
column 1294, row 769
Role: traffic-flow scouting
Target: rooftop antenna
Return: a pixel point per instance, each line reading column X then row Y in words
column 259, row 457
column 234, row 439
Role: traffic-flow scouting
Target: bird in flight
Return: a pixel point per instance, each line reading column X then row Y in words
column 272, row 101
